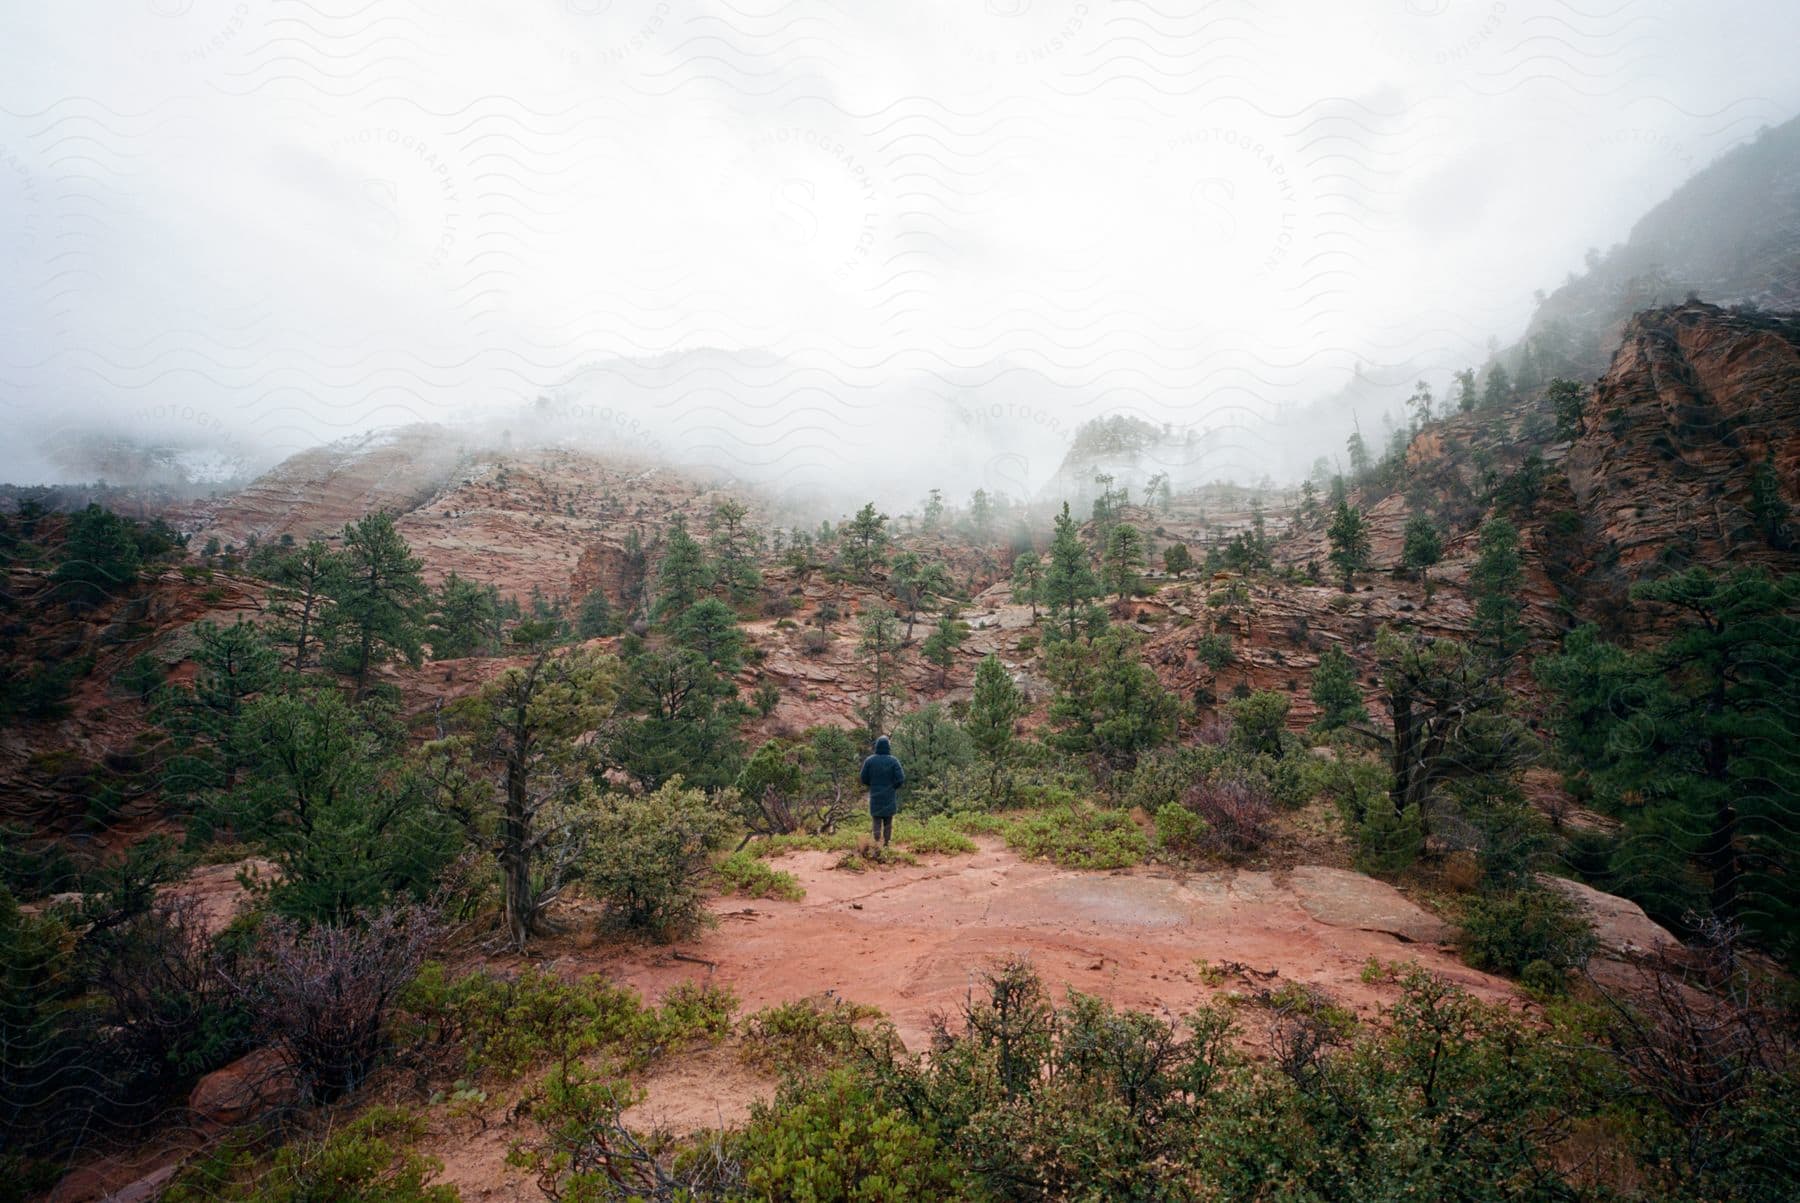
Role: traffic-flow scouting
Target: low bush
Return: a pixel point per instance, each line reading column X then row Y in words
column 324, row 995
column 742, row 873
column 936, row 836
column 1080, row 836
column 1505, row 933
column 1238, row 813
column 810, row 1034
column 1180, row 830
column 368, row 1160
column 648, row 858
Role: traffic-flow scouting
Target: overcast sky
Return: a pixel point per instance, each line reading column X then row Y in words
column 919, row 232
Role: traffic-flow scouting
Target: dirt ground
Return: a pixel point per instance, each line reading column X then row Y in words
column 913, row 940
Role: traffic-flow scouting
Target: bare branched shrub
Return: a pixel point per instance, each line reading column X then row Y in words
column 1700, row 1034
column 321, row 995
column 1237, row 813
column 169, row 1003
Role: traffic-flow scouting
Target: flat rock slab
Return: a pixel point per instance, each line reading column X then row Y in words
column 1620, row 925
column 1340, row 898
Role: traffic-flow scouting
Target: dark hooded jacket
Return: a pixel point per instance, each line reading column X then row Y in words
column 883, row 775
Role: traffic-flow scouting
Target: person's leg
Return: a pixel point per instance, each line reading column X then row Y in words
column 887, row 829
column 875, row 828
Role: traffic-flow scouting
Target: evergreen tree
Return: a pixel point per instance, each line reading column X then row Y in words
column 1420, row 401
column 530, row 728
column 881, row 648
column 206, row 720
column 1499, row 387
column 1360, row 461
column 377, row 599
column 683, row 576
column 1069, row 586
column 1027, row 580
column 1447, row 709
column 683, row 724
column 1465, row 390
column 932, row 512
column 1422, row 547
column 913, row 580
column 302, row 583
column 596, row 617
column 1496, row 579
column 995, row 708
column 943, row 643
column 1336, row 693
column 865, row 540
column 1124, row 560
column 348, row 830
column 710, row 629
column 1349, row 544
column 100, row 556
column 464, row 619
column 981, row 515
column 1177, row 559
column 1565, row 403
column 734, row 547
column 1690, row 743
column 1108, row 705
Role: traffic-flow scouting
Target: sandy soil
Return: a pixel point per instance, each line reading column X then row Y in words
column 914, row 940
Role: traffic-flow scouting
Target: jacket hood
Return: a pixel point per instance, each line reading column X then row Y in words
column 881, row 746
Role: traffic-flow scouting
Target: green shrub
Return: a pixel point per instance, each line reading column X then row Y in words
column 809, row 1034
column 742, row 873
column 1180, row 830
column 1388, row 843
column 936, row 836
column 833, row 1138
column 367, row 1160
column 648, row 858
column 1504, row 933
column 504, row 1026
column 1080, row 836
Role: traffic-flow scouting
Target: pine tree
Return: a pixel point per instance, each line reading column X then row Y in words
column 596, row 617
column 378, row 597
column 995, row 708
column 1069, row 586
column 1177, row 559
column 1027, row 581
column 981, row 515
column 1496, row 579
column 710, row 629
column 464, row 619
column 1422, row 547
column 1124, row 560
column 1336, row 693
column 1360, row 462
column 1690, row 743
column 932, row 512
column 943, row 643
column 302, row 583
column 1465, row 390
column 734, row 546
column 881, row 646
column 1565, row 403
column 683, row 576
column 1108, row 706
column 1499, row 388
column 1349, row 544
column 865, row 540
column 530, row 727
column 100, row 555
column 234, row 664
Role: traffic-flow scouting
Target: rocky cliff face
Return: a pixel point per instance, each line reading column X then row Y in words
column 1671, row 437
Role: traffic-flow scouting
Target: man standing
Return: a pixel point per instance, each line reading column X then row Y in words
column 883, row 775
